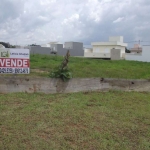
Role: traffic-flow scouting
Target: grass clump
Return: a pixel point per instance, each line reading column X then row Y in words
column 62, row 71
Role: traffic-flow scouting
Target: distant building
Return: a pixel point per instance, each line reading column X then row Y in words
column 18, row 46
column 48, row 44
column 144, row 56
column 96, row 50
column 40, row 50
column 75, row 48
column 103, row 49
column 136, row 49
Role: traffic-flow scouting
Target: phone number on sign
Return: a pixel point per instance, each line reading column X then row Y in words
column 15, row 70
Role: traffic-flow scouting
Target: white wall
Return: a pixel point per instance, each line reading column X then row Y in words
column 106, row 49
column 145, row 56
column 87, row 50
column 96, row 55
column 116, row 38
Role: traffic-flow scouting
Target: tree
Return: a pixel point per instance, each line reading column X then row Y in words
column 127, row 50
column 6, row 45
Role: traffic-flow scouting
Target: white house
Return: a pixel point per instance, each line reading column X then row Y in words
column 144, row 56
column 102, row 49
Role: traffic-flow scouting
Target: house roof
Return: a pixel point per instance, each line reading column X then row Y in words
column 108, row 43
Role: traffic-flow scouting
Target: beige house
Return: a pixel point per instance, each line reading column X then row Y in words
column 103, row 49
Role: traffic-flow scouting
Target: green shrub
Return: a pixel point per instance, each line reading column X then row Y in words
column 62, row 71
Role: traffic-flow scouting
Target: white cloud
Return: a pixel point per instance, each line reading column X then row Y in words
column 42, row 18
column 71, row 19
column 39, row 21
column 118, row 20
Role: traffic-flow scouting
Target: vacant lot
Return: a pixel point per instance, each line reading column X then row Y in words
column 41, row 65
column 83, row 67
column 90, row 121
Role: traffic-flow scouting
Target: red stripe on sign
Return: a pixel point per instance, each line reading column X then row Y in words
column 14, row 62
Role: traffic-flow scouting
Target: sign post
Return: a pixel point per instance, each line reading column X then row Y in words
column 14, row 61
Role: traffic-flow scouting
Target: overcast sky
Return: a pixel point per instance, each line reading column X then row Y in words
column 42, row 21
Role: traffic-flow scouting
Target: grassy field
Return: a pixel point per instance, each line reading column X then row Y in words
column 90, row 121
column 41, row 65
column 83, row 67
